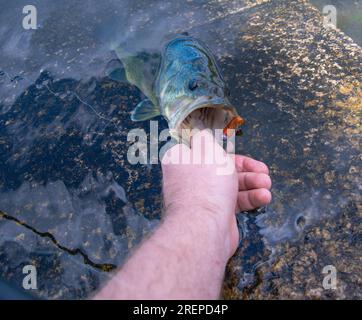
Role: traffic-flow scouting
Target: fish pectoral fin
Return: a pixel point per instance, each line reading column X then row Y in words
column 115, row 71
column 145, row 110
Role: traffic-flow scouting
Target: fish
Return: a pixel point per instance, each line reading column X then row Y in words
column 183, row 83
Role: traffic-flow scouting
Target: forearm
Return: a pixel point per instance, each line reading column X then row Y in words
column 184, row 259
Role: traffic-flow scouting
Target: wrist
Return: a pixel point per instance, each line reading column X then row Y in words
column 197, row 206
column 203, row 223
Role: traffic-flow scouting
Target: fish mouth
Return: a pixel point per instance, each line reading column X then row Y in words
column 228, row 117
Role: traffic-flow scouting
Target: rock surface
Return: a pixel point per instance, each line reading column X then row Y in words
column 72, row 204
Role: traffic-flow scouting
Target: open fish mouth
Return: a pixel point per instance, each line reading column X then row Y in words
column 204, row 113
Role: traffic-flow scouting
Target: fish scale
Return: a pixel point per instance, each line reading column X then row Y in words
column 188, row 80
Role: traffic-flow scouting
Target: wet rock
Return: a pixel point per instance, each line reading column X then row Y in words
column 63, row 145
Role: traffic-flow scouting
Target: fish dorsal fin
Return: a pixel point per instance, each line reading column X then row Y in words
column 145, row 110
column 115, row 71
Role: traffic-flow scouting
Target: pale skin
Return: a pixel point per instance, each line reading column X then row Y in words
column 185, row 258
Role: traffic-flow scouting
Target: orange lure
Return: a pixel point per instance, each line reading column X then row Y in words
column 233, row 124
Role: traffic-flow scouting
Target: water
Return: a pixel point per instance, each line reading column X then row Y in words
column 81, row 206
column 349, row 16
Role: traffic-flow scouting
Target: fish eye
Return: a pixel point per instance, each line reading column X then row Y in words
column 193, row 84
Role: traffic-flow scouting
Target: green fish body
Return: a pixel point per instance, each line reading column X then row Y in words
column 183, row 84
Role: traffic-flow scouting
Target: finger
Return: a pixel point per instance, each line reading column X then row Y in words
column 247, row 164
column 204, row 146
column 252, row 199
column 252, row 180
column 176, row 154
column 202, row 136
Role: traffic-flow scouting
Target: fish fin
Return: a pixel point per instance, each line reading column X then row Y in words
column 115, row 71
column 145, row 110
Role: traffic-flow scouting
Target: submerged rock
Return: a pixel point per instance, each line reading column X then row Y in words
column 63, row 146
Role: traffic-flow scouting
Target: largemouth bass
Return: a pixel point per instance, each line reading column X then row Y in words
column 183, row 84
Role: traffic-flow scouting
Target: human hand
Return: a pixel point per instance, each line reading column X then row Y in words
column 196, row 188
